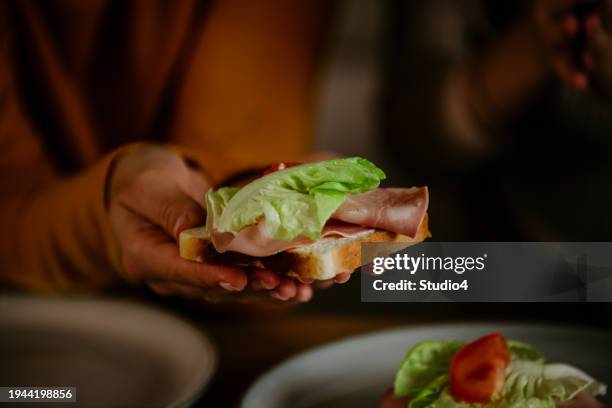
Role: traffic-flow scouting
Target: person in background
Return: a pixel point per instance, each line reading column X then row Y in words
column 506, row 108
column 116, row 117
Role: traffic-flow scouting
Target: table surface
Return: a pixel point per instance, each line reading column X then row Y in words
column 249, row 349
column 251, row 345
column 251, row 341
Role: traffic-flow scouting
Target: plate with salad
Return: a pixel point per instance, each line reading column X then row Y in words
column 461, row 365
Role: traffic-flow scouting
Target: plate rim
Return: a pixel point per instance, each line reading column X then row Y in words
column 185, row 397
column 250, row 392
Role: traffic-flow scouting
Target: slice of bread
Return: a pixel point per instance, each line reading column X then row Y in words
column 321, row 260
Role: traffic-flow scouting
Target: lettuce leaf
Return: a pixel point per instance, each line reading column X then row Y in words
column 294, row 201
column 446, row 400
column 423, row 364
column 522, row 351
column 216, row 201
column 530, row 383
column 552, row 383
column 430, row 393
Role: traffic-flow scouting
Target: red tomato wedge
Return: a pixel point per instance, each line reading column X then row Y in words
column 279, row 166
column 478, row 370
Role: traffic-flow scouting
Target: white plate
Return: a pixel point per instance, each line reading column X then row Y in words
column 355, row 372
column 115, row 352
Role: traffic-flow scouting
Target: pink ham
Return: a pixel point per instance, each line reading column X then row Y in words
column 255, row 241
column 399, row 210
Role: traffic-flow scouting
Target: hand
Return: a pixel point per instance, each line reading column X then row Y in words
column 597, row 53
column 558, row 26
column 153, row 196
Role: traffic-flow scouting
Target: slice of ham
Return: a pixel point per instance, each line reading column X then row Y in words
column 255, row 241
column 399, row 210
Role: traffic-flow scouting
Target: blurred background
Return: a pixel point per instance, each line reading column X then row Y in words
column 486, row 103
column 383, row 97
column 544, row 174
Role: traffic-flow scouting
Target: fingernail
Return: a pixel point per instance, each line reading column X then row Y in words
column 259, row 284
column 277, row 296
column 342, row 277
column 305, row 280
column 268, row 284
column 305, row 296
column 228, row 287
column 178, row 226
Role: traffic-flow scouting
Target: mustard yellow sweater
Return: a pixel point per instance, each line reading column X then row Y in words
column 229, row 81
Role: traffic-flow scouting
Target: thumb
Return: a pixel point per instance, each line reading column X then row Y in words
column 179, row 213
column 168, row 207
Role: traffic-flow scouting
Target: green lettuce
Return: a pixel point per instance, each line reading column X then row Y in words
column 550, row 383
column 530, row 383
column 430, row 393
column 216, row 201
column 423, row 364
column 294, row 201
column 522, row 351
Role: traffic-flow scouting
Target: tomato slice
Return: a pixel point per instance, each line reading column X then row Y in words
column 280, row 166
column 478, row 370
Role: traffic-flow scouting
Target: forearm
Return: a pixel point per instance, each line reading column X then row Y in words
column 487, row 91
column 57, row 236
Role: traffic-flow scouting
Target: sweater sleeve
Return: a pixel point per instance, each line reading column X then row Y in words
column 55, row 231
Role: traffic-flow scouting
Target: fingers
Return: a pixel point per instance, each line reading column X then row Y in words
column 196, row 186
column 289, row 289
column 324, row 284
column 342, row 277
column 556, row 25
column 149, row 254
column 286, row 289
column 597, row 56
column 570, row 25
column 569, row 73
column 198, row 294
column 166, row 206
column 597, row 42
column 280, row 288
column 175, row 289
column 179, row 213
column 159, row 186
column 262, row 279
column 303, row 292
column 595, row 31
column 163, row 262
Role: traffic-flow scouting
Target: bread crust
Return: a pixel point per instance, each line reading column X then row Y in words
column 300, row 262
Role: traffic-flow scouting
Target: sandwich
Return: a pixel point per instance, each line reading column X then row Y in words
column 307, row 220
column 490, row 372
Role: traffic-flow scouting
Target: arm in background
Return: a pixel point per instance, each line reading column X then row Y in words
column 463, row 80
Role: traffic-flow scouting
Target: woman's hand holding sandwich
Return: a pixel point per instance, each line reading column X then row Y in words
column 153, row 195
